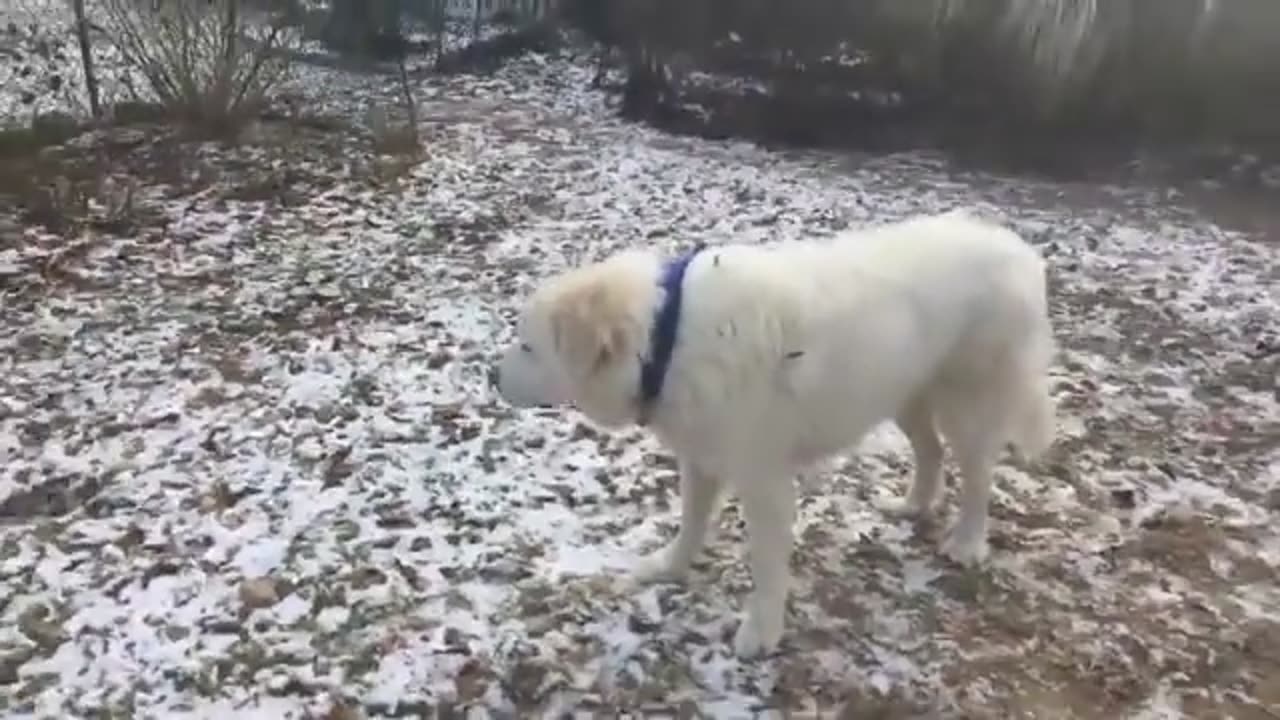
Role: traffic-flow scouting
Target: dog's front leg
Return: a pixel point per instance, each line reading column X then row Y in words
column 699, row 495
column 768, row 502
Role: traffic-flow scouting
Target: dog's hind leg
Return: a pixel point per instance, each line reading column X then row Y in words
column 976, row 435
column 916, row 421
column 700, row 494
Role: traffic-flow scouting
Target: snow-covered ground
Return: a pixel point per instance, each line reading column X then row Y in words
column 41, row 69
column 40, row 66
column 250, row 465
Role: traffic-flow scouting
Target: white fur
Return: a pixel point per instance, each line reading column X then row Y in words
column 787, row 355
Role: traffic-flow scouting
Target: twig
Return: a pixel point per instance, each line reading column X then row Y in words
column 411, row 105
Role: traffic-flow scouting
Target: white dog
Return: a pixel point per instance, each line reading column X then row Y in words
column 753, row 363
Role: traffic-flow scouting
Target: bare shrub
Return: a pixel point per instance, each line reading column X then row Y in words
column 205, row 61
column 64, row 195
column 392, row 136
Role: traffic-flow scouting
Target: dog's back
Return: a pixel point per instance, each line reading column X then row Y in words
column 833, row 337
column 985, row 289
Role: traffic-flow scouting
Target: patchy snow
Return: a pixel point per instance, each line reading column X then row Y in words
column 41, row 70
column 251, row 464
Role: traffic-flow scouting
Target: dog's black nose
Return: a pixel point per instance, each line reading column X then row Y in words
column 495, row 376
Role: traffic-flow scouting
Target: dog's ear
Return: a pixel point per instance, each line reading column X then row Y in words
column 588, row 325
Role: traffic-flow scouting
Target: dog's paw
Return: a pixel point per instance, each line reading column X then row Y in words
column 750, row 642
column 908, row 508
column 965, row 549
column 658, row 567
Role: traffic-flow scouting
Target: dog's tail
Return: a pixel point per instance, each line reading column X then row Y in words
column 1034, row 411
column 1034, row 419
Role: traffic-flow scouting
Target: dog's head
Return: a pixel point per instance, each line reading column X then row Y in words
column 581, row 338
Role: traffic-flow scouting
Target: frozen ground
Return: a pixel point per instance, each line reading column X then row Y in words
column 251, row 467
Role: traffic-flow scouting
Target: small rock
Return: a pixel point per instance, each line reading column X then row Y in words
column 346, row 530
column 367, row 577
column 10, row 664
column 338, row 468
column 410, row 575
column 396, row 519
column 1124, row 498
column 472, row 681
column 221, row 626
column 526, row 683
column 132, row 537
column 325, row 412
column 342, row 711
column 454, row 640
column 40, row 627
column 505, row 570
column 642, row 625
column 259, row 592
column 582, row 431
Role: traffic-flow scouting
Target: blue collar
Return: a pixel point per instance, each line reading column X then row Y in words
column 662, row 338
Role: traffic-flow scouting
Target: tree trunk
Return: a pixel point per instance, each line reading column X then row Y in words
column 368, row 28
column 86, row 58
column 230, row 28
column 440, row 26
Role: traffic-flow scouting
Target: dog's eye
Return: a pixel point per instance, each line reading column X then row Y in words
column 524, row 347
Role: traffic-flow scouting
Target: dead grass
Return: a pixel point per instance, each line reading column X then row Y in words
column 397, row 145
column 1195, row 645
column 93, row 182
column 399, row 140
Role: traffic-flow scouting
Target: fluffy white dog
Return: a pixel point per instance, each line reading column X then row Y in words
column 752, row 363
